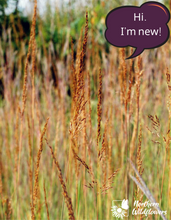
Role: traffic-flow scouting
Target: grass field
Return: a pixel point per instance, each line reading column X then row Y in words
column 69, row 123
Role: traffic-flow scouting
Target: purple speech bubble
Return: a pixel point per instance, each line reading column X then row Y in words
column 143, row 27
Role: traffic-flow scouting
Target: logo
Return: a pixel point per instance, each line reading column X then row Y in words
column 120, row 208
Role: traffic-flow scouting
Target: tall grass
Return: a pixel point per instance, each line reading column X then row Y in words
column 95, row 109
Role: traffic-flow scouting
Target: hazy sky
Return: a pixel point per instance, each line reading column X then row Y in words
column 27, row 5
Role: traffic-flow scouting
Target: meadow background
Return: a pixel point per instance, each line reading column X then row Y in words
column 73, row 110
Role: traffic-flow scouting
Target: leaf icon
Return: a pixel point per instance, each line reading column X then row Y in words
column 125, row 204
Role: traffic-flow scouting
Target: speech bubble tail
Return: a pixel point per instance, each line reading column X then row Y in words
column 137, row 52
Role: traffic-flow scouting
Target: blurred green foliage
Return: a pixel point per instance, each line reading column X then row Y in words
column 3, row 5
